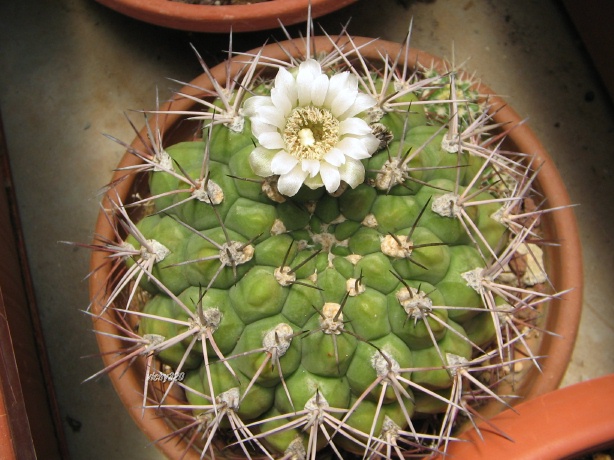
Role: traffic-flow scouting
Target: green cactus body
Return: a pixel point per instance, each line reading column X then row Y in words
column 365, row 267
column 353, row 303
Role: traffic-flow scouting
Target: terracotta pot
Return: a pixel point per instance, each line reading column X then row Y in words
column 223, row 18
column 30, row 424
column 564, row 261
column 565, row 423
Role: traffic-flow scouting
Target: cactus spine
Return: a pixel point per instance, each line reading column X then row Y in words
column 328, row 265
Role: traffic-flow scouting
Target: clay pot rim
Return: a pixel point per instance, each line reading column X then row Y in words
column 564, row 423
column 223, row 18
column 564, row 313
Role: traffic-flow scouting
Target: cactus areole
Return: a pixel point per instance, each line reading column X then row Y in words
column 328, row 262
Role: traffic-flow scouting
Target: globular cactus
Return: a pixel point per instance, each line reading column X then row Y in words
column 327, row 266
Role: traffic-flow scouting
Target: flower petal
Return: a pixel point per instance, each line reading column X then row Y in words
column 259, row 127
column 361, row 103
column 371, row 143
column 272, row 116
column 311, row 166
column 352, row 82
column 260, row 160
column 308, row 71
column 353, row 148
column 252, row 105
column 337, row 83
column 281, row 101
column 288, row 184
column 335, row 157
column 283, row 162
column 354, row 126
column 319, row 90
column 343, row 101
column 285, row 81
column 271, row 140
column 352, row 172
column 330, row 176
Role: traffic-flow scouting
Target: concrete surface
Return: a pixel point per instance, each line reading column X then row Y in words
column 70, row 68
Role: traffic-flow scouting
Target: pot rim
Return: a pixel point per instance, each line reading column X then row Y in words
column 223, row 18
column 563, row 314
column 564, row 423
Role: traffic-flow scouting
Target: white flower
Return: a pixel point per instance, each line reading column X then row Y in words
column 308, row 132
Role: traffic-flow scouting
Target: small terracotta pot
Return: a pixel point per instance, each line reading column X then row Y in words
column 223, row 18
column 564, row 262
column 565, row 423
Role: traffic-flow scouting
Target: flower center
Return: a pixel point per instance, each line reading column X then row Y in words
column 310, row 132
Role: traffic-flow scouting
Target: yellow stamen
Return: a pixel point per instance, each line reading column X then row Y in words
column 311, row 132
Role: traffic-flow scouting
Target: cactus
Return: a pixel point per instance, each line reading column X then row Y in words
column 327, row 265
